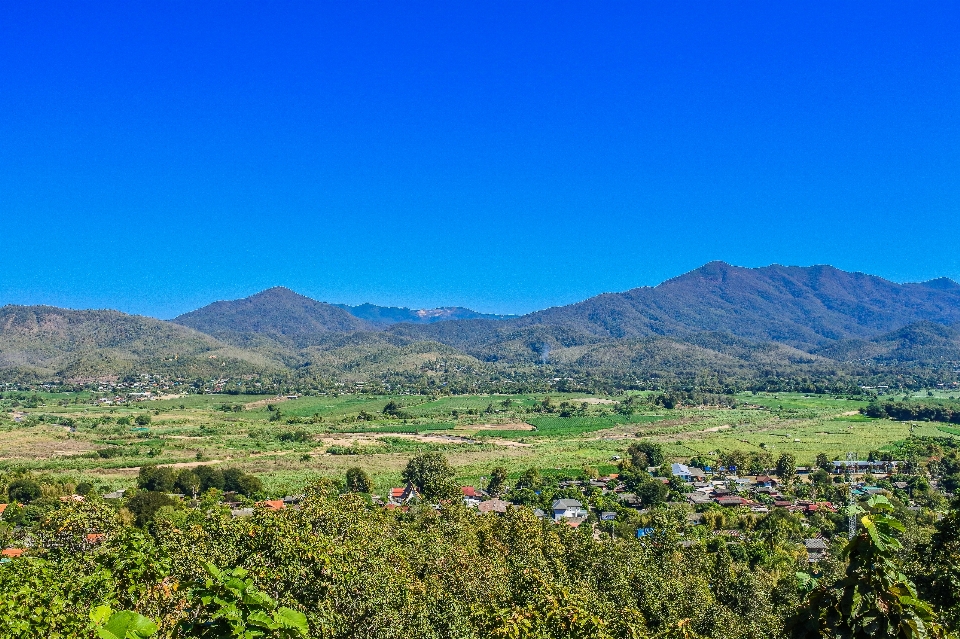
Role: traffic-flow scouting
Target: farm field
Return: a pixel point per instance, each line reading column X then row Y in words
column 289, row 441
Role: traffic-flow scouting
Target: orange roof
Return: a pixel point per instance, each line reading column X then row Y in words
column 397, row 492
column 11, row 552
column 273, row 504
column 94, row 538
column 3, row 507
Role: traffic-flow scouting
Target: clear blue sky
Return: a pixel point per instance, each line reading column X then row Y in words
column 503, row 156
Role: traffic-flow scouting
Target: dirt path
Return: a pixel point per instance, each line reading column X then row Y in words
column 260, row 403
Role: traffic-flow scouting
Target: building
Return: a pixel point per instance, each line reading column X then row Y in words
column 568, row 509
column 816, row 549
column 498, row 506
column 687, row 473
column 471, row 496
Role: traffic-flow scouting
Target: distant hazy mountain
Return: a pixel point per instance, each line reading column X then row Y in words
column 44, row 341
column 387, row 315
column 277, row 313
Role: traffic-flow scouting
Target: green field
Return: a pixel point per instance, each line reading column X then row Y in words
column 290, row 441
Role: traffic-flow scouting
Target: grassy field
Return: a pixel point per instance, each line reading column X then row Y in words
column 291, row 441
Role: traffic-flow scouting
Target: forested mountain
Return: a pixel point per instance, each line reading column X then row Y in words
column 925, row 344
column 718, row 320
column 277, row 313
column 801, row 306
column 43, row 342
column 388, row 315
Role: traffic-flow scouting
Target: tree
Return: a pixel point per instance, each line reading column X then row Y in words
column 786, row 467
column 823, row 461
column 873, row 598
column 644, row 453
column 187, row 483
column 652, row 492
column 228, row 605
column 358, row 481
column 432, row 475
column 156, row 478
column 530, row 478
column 498, row 480
column 944, row 567
column 23, row 490
column 144, row 505
column 142, row 420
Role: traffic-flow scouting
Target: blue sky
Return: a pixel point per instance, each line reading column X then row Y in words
column 503, row 156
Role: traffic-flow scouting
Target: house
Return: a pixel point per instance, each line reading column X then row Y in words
column 94, row 538
column 631, row 501
column 687, row 473
column 498, row 506
column 241, row 512
column 766, row 481
column 732, row 501
column 11, row 553
column 568, row 509
column 117, row 494
column 3, row 507
column 698, row 497
column 272, row 504
column 608, row 516
column 694, row 519
column 816, row 549
column 471, row 496
column 403, row 494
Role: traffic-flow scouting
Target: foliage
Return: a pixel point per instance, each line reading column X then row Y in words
column 874, row 598
column 124, row 624
column 432, row 475
column 358, row 481
column 226, row 605
column 23, row 490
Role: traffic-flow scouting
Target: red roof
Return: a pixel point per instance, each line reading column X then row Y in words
column 469, row 491
column 273, row 504
column 94, row 538
column 11, row 552
column 397, row 492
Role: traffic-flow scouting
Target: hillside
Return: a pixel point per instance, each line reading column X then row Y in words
column 45, row 342
column 276, row 314
column 922, row 344
column 801, row 306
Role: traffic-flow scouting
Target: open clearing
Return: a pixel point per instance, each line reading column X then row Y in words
column 323, row 436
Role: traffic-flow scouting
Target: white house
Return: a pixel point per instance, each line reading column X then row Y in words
column 568, row 509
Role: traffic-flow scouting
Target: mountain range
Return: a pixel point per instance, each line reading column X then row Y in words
column 718, row 319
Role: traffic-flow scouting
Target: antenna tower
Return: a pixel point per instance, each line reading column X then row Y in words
column 851, row 500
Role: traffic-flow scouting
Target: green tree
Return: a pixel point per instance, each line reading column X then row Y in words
column 498, row 480
column 142, row 420
column 145, row 504
column 156, row 478
column 432, row 474
column 873, row 598
column 358, row 481
column 226, row 605
column 823, row 461
column 187, row 483
column 786, row 468
column 652, row 492
column 530, row 479
column 645, row 453
column 23, row 490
